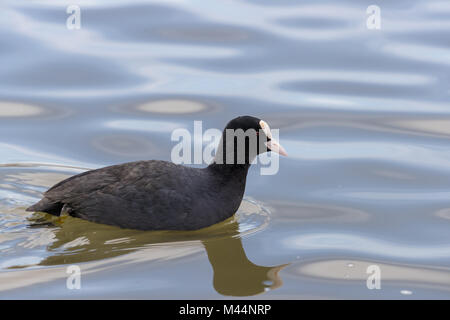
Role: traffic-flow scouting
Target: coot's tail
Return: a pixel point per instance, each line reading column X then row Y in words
column 45, row 205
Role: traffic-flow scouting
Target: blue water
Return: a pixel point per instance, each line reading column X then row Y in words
column 364, row 115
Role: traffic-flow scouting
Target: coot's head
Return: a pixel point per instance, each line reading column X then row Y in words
column 244, row 138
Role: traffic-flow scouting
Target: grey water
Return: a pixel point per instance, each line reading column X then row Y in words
column 363, row 113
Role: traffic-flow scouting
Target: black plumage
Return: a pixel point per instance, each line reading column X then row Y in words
column 154, row 195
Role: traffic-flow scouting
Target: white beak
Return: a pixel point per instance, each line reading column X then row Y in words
column 274, row 146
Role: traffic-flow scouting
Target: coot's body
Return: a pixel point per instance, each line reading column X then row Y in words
column 159, row 195
column 149, row 195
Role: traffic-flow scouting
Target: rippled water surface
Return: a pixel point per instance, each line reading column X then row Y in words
column 364, row 115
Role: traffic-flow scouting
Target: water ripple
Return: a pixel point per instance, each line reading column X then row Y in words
column 368, row 246
column 364, row 115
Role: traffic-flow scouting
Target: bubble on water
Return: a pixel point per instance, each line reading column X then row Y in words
column 406, row 292
column 172, row 106
column 14, row 109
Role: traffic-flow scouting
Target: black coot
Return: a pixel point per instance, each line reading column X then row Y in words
column 159, row 195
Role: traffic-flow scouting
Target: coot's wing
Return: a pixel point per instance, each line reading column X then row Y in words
column 86, row 184
column 139, row 195
column 83, row 183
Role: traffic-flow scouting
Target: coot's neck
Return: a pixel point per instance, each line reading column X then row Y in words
column 227, row 183
column 233, row 175
column 235, row 170
column 228, row 162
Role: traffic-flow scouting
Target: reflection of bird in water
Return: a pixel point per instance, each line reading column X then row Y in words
column 234, row 274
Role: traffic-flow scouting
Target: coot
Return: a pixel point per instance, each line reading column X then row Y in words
column 160, row 195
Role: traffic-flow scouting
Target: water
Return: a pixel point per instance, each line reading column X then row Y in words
column 364, row 115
